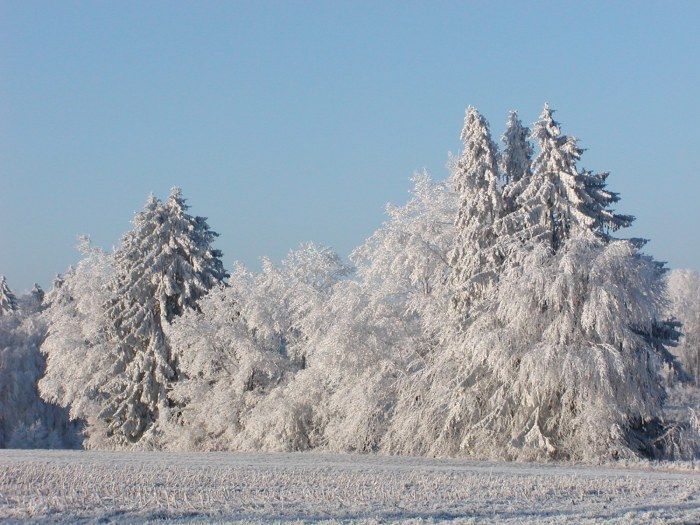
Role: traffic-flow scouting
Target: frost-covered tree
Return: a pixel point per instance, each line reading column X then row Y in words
column 162, row 267
column 26, row 421
column 560, row 200
column 563, row 357
column 392, row 321
column 303, row 356
column 57, row 283
column 476, row 257
column 79, row 358
column 407, row 260
column 8, row 301
column 250, row 339
column 555, row 366
column 571, row 372
column 684, row 295
column 380, row 327
column 516, row 160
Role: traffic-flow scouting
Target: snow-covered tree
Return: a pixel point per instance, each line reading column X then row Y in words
column 558, row 352
column 565, row 339
column 516, row 160
column 32, row 302
column 304, row 356
column 162, row 267
column 79, row 358
column 559, row 200
column 557, row 365
column 250, row 338
column 56, row 285
column 566, row 349
column 476, row 257
column 381, row 326
column 406, row 262
column 8, row 301
column 26, row 421
column 684, row 295
column 389, row 321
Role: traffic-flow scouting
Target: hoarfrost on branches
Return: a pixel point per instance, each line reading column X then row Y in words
column 26, row 421
column 684, row 295
column 493, row 315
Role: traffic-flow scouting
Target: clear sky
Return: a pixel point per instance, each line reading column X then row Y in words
column 292, row 121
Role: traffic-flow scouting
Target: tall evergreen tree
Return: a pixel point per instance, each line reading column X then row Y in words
column 515, row 160
column 8, row 301
column 475, row 257
column 560, row 200
column 163, row 266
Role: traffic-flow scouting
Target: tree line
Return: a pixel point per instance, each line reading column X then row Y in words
column 497, row 314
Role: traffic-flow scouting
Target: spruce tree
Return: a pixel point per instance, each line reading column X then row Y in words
column 8, row 301
column 515, row 160
column 163, row 266
column 475, row 257
column 560, row 200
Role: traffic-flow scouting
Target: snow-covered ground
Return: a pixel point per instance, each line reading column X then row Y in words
column 69, row 486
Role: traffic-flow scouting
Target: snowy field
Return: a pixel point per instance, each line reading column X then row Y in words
column 70, row 486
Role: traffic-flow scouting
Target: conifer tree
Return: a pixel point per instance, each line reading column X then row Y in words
column 8, row 301
column 515, row 160
column 475, row 258
column 163, row 266
column 560, row 200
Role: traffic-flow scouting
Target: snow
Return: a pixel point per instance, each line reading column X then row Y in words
column 68, row 486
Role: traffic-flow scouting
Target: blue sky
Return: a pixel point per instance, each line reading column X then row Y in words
column 293, row 121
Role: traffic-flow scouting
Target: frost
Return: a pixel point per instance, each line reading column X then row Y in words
column 494, row 315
